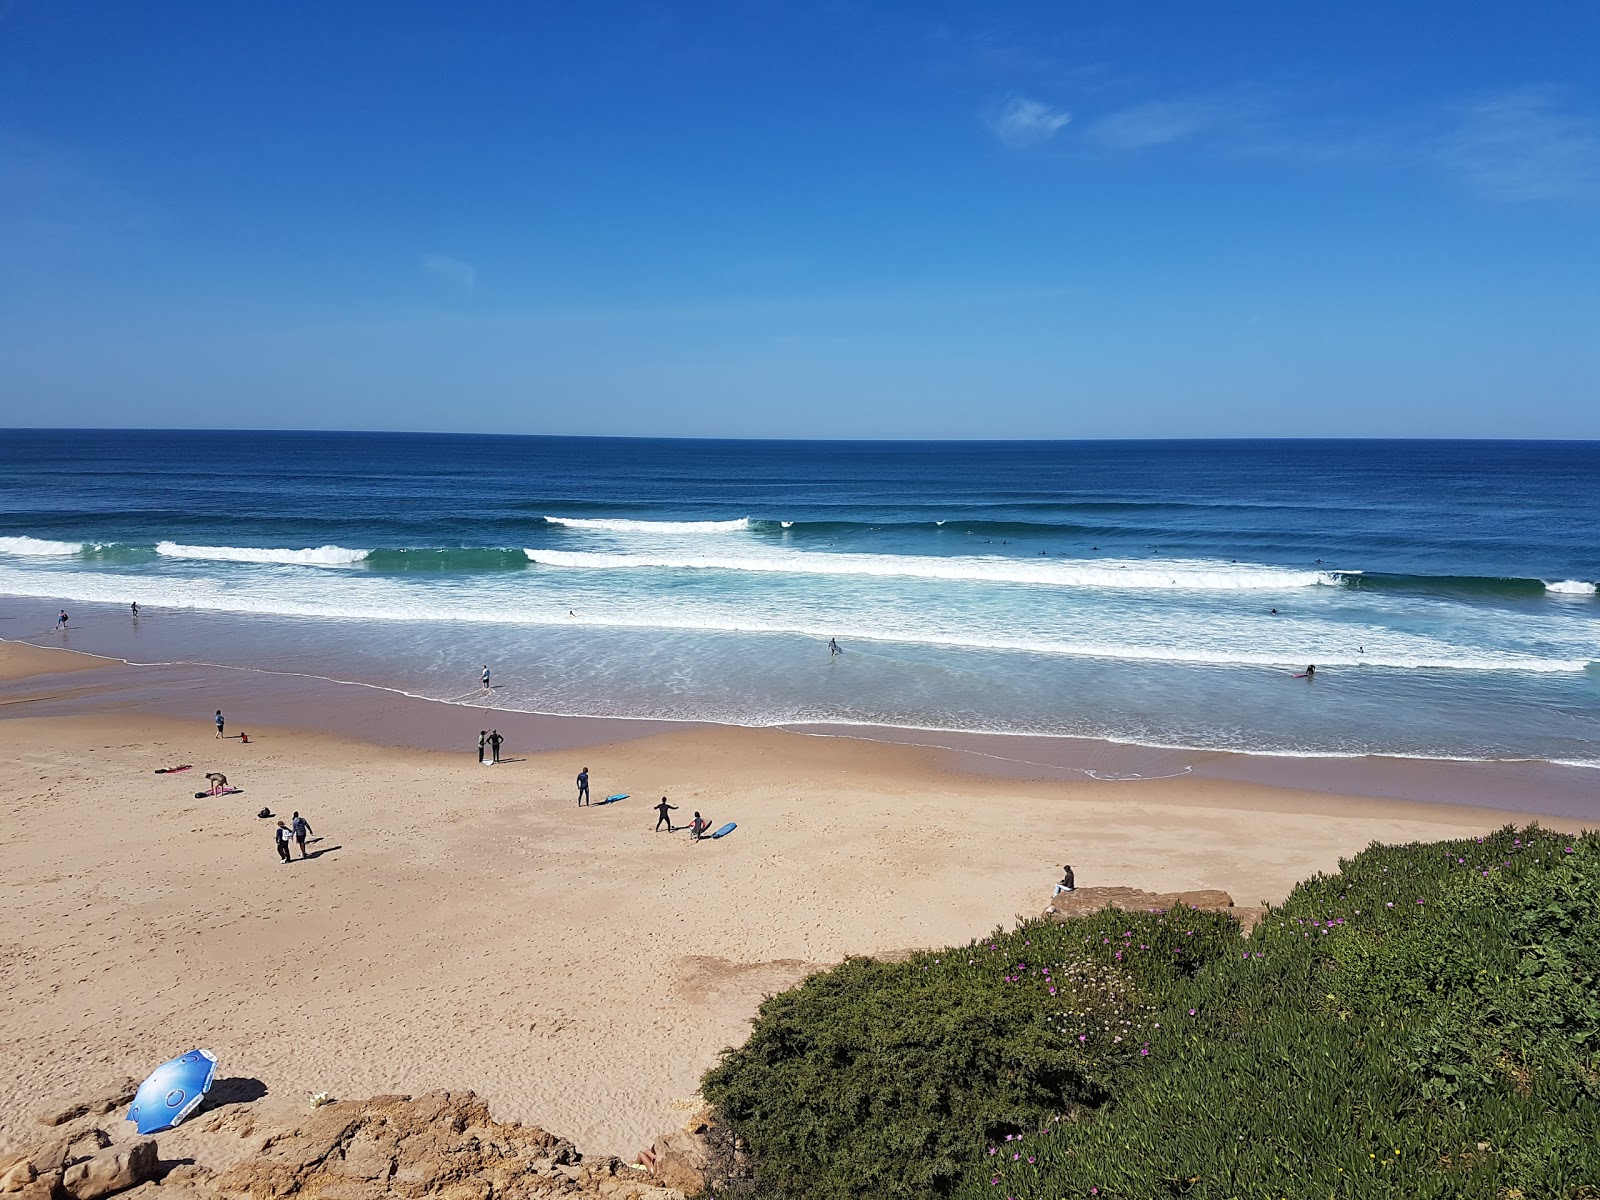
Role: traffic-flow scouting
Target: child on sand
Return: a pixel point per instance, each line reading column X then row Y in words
column 218, row 721
column 698, row 828
column 281, row 836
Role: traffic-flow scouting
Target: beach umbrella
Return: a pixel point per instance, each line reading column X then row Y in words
column 173, row 1091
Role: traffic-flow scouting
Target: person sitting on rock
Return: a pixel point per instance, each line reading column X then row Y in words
column 1066, row 884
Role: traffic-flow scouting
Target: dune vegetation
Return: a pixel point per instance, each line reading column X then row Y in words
column 1423, row 1023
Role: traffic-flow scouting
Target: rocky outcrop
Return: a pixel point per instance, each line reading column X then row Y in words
column 111, row 1171
column 699, row 1157
column 443, row 1144
column 1092, row 899
column 439, row 1146
column 77, row 1165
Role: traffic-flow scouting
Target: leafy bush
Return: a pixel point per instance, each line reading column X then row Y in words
column 1424, row 1023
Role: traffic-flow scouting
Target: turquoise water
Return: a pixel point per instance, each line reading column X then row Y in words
column 1114, row 590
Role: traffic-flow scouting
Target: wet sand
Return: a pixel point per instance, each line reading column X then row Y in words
column 469, row 927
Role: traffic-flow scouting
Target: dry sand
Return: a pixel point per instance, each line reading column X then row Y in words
column 470, row 927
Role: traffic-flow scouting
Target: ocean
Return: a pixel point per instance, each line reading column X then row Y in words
column 1150, row 593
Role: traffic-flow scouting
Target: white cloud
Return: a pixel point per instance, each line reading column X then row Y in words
column 1154, row 123
column 1023, row 122
column 460, row 275
column 1521, row 145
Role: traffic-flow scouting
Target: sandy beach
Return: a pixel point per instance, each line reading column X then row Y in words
column 469, row 927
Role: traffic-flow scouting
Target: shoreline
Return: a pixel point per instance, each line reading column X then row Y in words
column 468, row 927
column 389, row 716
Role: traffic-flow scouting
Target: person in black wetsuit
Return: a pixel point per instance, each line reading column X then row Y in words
column 583, row 787
column 664, row 809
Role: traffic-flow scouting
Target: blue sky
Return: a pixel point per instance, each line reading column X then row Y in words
column 780, row 219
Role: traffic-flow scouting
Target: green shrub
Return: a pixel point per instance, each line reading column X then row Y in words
column 1424, row 1023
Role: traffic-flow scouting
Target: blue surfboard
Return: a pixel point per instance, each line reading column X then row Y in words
column 725, row 830
column 614, row 799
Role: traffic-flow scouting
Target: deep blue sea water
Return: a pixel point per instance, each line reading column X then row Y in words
column 1121, row 590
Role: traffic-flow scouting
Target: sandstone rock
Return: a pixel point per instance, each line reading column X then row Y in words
column 681, row 1160
column 18, row 1176
column 1087, row 900
column 441, row 1145
column 111, row 1171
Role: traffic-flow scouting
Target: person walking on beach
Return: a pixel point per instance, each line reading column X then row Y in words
column 698, row 827
column 1068, row 882
column 485, row 677
column 494, row 745
column 281, row 835
column 301, row 829
column 218, row 720
column 583, row 787
column 664, row 809
column 135, row 610
column 483, row 740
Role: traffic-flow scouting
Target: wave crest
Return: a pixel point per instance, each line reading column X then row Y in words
column 38, row 546
column 1570, row 587
column 317, row 556
column 1178, row 574
column 619, row 525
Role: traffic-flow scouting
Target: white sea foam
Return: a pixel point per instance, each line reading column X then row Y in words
column 317, row 556
column 37, row 546
column 1213, row 640
column 1570, row 587
column 1198, row 575
column 609, row 525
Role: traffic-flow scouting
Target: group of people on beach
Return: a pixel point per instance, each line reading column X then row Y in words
column 489, row 740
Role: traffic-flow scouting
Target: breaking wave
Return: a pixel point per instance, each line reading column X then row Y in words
column 317, row 556
column 1195, row 575
column 32, row 546
column 618, row 525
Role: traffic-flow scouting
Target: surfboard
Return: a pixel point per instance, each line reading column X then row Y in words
column 614, row 799
column 725, row 830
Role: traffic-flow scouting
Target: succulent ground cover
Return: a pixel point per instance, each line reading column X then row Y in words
column 1423, row 1023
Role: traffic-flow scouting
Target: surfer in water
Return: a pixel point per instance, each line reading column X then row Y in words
column 485, row 677
column 1309, row 673
column 135, row 610
column 833, row 647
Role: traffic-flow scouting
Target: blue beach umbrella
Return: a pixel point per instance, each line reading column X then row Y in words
column 173, row 1091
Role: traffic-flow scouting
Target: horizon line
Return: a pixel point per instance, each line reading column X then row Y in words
column 922, row 441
